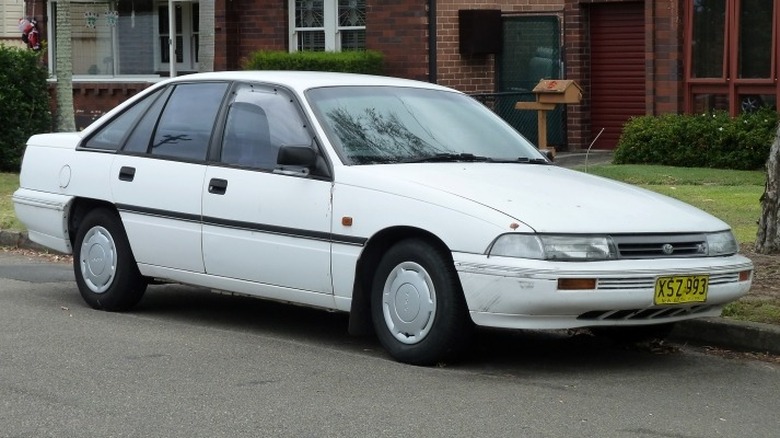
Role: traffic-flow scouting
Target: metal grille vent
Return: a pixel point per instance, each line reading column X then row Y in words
column 661, row 245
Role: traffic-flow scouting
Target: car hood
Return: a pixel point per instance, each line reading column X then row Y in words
column 547, row 198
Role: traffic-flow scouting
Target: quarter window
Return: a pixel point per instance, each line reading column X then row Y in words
column 110, row 137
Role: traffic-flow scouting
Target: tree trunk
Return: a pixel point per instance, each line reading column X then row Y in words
column 64, row 69
column 206, row 37
column 768, row 239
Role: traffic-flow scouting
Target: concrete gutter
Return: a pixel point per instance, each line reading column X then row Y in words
column 713, row 332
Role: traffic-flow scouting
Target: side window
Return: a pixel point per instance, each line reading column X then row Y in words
column 110, row 137
column 259, row 121
column 139, row 140
column 186, row 123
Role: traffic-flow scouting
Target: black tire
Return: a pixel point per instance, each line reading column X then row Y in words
column 634, row 334
column 434, row 324
column 106, row 271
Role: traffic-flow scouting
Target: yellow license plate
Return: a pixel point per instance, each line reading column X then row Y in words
column 681, row 289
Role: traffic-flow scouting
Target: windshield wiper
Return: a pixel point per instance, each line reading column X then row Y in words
column 448, row 158
column 532, row 160
column 471, row 158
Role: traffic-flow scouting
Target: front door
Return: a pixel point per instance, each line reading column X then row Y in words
column 261, row 224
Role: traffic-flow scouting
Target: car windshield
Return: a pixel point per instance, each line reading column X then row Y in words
column 379, row 124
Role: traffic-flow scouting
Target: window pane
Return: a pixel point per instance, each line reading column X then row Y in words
column 311, row 40
column 309, row 13
column 93, row 27
column 353, row 39
column 141, row 137
column 709, row 23
column 110, row 137
column 259, row 122
column 705, row 103
column 352, row 13
column 755, row 38
column 185, row 126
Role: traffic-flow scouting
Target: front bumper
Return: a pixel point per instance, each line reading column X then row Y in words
column 515, row 293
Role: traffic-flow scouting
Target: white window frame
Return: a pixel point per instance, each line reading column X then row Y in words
column 189, row 63
column 331, row 28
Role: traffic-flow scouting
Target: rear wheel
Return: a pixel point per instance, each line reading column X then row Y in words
column 106, row 272
column 417, row 305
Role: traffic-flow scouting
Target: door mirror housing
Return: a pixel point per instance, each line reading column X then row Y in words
column 303, row 156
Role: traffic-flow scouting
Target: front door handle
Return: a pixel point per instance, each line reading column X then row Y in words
column 217, row 186
column 126, row 173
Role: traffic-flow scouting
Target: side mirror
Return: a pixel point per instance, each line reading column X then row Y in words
column 303, row 156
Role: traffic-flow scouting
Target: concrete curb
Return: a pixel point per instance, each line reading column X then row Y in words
column 17, row 239
column 736, row 335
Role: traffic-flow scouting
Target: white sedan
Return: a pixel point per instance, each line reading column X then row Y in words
column 409, row 205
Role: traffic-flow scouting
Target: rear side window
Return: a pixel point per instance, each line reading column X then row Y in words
column 186, row 123
column 111, row 136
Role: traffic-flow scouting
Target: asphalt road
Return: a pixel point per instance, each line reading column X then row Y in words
column 191, row 363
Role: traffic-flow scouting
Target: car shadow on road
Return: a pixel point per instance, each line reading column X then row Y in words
column 525, row 350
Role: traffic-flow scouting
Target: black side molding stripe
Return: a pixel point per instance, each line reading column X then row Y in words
column 251, row 226
column 168, row 214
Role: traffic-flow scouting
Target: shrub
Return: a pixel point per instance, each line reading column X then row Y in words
column 354, row 61
column 24, row 102
column 703, row 140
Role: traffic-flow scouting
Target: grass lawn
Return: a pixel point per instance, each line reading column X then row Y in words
column 730, row 195
column 9, row 182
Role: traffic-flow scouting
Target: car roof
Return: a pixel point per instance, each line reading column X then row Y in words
column 304, row 80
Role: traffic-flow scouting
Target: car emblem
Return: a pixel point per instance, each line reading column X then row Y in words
column 668, row 249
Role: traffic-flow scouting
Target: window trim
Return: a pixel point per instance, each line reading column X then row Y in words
column 729, row 83
column 331, row 28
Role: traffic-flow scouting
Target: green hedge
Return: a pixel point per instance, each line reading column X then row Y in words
column 704, row 140
column 24, row 103
column 354, row 61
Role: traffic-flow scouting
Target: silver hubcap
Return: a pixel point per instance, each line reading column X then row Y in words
column 98, row 259
column 409, row 302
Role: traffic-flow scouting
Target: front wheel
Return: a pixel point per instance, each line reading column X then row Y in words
column 106, row 272
column 417, row 305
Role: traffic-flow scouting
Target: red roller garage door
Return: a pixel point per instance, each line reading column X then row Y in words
column 617, row 38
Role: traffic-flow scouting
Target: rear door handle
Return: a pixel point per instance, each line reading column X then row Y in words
column 218, row 186
column 126, row 173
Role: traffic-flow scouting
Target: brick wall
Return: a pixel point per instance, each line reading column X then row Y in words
column 475, row 74
column 399, row 29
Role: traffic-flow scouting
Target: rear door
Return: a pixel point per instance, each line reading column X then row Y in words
column 158, row 178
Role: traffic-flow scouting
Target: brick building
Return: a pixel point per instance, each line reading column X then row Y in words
column 629, row 57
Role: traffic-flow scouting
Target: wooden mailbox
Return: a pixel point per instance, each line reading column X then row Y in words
column 550, row 92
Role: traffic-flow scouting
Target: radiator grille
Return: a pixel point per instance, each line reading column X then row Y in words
column 660, row 245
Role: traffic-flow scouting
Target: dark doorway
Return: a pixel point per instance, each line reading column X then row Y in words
column 531, row 52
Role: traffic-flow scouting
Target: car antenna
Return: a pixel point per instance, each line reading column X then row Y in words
column 589, row 147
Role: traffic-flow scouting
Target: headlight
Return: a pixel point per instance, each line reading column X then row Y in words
column 722, row 243
column 554, row 247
